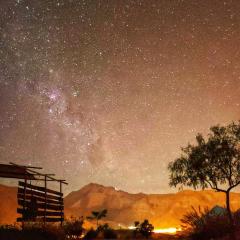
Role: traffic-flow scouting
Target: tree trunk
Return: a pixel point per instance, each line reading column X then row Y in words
column 228, row 207
column 230, row 215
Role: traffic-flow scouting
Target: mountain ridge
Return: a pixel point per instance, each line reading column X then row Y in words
column 163, row 210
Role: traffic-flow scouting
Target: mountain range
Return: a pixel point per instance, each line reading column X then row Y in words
column 162, row 210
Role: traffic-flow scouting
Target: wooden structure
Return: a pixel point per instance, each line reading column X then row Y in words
column 12, row 171
column 36, row 203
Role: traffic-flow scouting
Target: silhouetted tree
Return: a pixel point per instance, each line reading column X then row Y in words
column 136, row 230
column 213, row 162
column 145, row 228
column 73, row 228
column 98, row 215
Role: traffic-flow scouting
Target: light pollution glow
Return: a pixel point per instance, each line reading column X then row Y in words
column 171, row 230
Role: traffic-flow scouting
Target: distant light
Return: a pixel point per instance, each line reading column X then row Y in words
column 131, row 227
column 171, row 230
column 167, row 230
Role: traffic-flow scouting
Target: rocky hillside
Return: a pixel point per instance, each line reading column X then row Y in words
column 163, row 210
column 8, row 204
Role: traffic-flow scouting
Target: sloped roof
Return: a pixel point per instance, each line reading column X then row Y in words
column 12, row 171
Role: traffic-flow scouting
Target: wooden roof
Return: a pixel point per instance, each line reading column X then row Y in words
column 13, row 171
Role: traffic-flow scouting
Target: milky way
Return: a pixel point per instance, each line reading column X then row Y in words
column 108, row 91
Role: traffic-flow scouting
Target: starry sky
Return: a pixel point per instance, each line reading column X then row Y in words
column 108, row 91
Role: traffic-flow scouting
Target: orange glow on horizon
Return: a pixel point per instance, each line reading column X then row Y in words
column 171, row 230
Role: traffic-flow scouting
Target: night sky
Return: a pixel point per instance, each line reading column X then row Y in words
column 108, row 91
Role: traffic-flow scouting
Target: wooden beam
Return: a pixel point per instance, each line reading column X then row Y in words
column 42, row 205
column 24, row 166
column 47, row 220
column 41, row 189
column 41, row 213
column 40, row 199
column 39, row 174
column 17, row 176
column 39, row 194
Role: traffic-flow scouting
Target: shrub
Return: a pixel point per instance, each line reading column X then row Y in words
column 102, row 232
column 73, row 228
column 203, row 224
column 107, row 232
column 91, row 234
column 31, row 232
column 236, row 218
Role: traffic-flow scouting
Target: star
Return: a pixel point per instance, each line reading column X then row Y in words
column 109, row 91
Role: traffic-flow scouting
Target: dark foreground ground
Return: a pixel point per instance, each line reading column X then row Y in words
column 53, row 234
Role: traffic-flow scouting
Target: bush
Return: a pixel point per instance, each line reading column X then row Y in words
column 203, row 224
column 73, row 228
column 31, row 232
column 236, row 218
column 108, row 233
column 102, row 232
column 91, row 234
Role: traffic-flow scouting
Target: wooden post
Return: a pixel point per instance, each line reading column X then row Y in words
column 45, row 209
column 24, row 203
column 61, row 209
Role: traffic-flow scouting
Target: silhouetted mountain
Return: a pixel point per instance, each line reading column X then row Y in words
column 163, row 210
column 8, row 204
